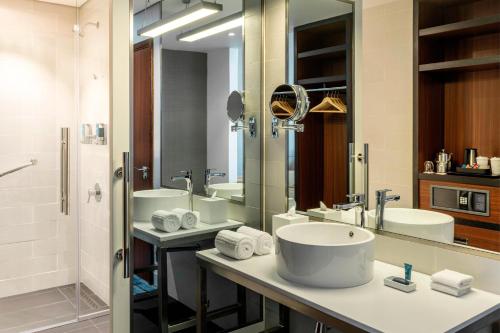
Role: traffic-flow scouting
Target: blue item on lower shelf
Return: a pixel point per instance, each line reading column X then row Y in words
column 141, row 286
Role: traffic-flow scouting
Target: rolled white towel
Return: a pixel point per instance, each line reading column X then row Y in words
column 263, row 241
column 165, row 220
column 234, row 244
column 452, row 279
column 188, row 218
column 457, row 292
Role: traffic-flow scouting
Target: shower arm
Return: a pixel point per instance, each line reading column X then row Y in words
column 32, row 163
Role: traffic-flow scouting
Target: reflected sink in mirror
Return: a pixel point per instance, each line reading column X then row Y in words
column 417, row 223
column 226, row 190
column 328, row 255
column 146, row 202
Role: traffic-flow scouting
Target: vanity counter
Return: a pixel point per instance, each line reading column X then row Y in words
column 372, row 307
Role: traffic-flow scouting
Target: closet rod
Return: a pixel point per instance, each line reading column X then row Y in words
column 312, row 90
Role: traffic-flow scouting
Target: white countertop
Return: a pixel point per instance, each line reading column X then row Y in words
column 201, row 228
column 372, row 307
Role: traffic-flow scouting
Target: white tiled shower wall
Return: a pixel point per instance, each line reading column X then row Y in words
column 37, row 98
column 94, row 159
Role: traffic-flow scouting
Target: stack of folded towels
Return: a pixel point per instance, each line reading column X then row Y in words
column 170, row 221
column 451, row 282
column 243, row 243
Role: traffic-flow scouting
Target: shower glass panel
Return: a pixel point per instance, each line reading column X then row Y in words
column 48, row 272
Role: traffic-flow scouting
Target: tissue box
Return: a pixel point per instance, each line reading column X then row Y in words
column 329, row 214
column 212, row 210
column 284, row 219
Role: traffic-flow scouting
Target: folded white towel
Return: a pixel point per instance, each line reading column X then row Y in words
column 234, row 244
column 452, row 279
column 188, row 218
column 166, row 221
column 263, row 241
column 457, row 292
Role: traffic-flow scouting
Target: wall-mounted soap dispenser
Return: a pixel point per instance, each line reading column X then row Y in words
column 88, row 137
column 100, row 134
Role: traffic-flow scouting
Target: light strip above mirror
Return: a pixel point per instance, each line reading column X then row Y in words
column 189, row 15
column 224, row 24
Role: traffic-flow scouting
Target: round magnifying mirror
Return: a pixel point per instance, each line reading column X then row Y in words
column 289, row 102
column 235, row 106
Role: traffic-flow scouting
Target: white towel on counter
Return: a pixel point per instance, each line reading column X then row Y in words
column 457, row 292
column 166, row 221
column 452, row 279
column 234, row 244
column 263, row 241
column 189, row 219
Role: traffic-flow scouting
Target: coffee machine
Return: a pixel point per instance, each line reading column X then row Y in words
column 443, row 162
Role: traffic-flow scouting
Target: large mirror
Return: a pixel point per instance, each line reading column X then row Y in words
column 196, row 153
column 197, row 79
column 424, row 109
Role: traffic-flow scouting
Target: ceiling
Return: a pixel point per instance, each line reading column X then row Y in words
column 72, row 3
column 221, row 40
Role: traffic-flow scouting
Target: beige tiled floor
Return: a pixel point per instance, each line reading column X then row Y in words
column 45, row 308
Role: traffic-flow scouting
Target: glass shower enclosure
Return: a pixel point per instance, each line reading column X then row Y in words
column 54, row 162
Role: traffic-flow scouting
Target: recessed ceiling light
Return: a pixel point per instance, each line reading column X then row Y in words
column 188, row 15
column 224, row 24
column 231, row 34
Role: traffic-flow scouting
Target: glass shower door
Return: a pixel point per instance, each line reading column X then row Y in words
column 38, row 97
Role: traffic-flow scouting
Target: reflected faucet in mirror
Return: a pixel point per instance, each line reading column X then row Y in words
column 209, row 174
column 357, row 200
column 187, row 175
column 144, row 170
column 381, row 199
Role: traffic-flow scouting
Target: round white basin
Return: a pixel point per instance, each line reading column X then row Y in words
column 417, row 223
column 146, row 202
column 327, row 255
column 226, row 190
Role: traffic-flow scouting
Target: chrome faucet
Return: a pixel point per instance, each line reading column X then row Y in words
column 381, row 198
column 209, row 174
column 187, row 175
column 356, row 200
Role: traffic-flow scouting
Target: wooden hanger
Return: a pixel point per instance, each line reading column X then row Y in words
column 330, row 104
column 281, row 108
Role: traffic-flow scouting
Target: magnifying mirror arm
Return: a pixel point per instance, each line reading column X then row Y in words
column 252, row 126
column 276, row 125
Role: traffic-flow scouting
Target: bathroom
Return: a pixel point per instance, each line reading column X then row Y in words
column 356, row 129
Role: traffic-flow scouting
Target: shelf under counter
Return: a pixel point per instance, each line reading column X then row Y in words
column 470, row 180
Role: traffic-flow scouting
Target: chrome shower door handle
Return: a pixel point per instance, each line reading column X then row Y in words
column 64, row 170
column 366, row 174
column 126, row 215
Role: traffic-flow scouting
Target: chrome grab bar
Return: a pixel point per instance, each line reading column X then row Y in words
column 32, row 162
column 64, row 183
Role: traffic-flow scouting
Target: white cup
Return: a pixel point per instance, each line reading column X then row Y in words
column 495, row 166
column 482, row 162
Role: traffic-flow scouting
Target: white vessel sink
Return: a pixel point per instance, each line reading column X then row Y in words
column 328, row 255
column 417, row 223
column 146, row 202
column 226, row 190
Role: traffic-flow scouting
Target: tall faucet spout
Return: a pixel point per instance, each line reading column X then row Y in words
column 381, row 199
